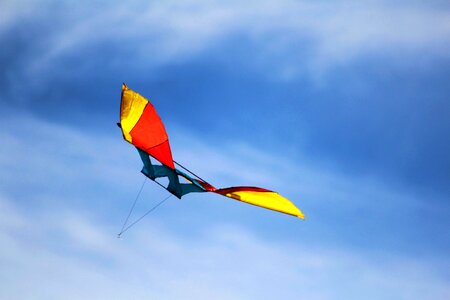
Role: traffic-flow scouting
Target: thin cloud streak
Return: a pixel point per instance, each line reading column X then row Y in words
column 74, row 256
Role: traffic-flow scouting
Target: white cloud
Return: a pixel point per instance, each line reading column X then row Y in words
column 291, row 37
column 80, row 258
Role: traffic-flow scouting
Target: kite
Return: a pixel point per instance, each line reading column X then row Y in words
column 142, row 127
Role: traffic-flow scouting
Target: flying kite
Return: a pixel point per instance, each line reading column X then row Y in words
column 142, row 127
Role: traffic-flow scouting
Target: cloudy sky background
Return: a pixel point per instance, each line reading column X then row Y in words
column 342, row 107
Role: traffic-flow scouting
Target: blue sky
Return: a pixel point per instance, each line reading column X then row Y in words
column 342, row 107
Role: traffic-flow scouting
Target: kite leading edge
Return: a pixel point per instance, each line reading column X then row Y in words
column 142, row 127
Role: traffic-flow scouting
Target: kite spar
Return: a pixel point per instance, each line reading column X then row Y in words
column 142, row 127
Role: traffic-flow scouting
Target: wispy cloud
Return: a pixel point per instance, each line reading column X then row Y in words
column 301, row 36
column 73, row 256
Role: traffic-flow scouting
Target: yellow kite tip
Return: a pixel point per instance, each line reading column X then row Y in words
column 124, row 87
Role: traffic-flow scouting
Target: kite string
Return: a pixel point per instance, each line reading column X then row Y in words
column 132, row 207
column 143, row 216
